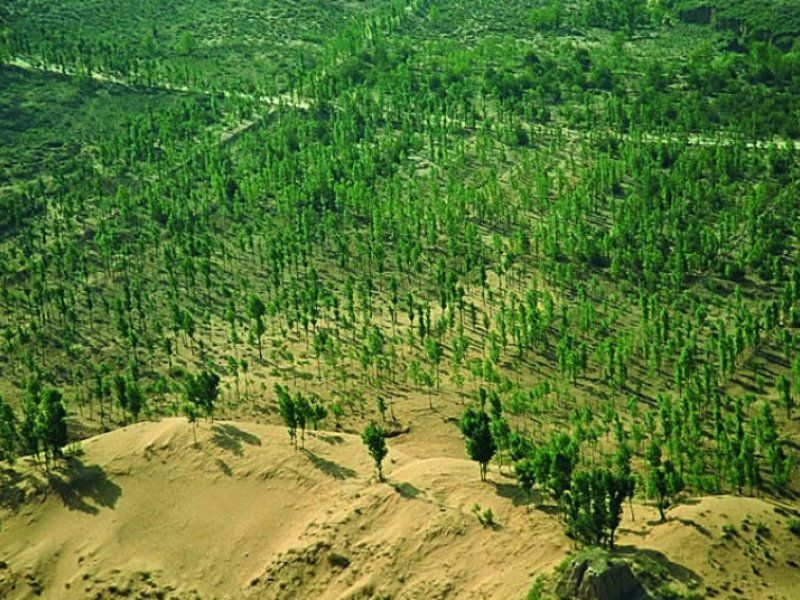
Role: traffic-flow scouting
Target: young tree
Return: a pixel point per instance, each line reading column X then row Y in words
column 501, row 433
column 617, row 487
column 202, row 390
column 189, row 410
column 663, row 481
column 51, row 425
column 476, row 428
column 136, row 399
column 317, row 413
column 374, row 440
column 435, row 353
column 586, row 509
column 302, row 415
column 121, row 392
column 28, row 428
column 256, row 311
column 785, row 394
column 288, row 411
column 525, row 471
column 320, row 344
column 8, row 432
column 380, row 401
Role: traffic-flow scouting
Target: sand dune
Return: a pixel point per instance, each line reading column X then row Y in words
column 144, row 512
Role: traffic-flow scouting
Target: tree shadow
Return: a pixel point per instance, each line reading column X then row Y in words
column 653, row 562
column 230, row 438
column 335, row 440
column 12, row 488
column 519, row 498
column 224, row 467
column 700, row 529
column 84, row 488
column 406, row 490
column 512, row 492
column 329, row 467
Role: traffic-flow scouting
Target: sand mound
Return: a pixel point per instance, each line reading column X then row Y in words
column 144, row 513
column 722, row 546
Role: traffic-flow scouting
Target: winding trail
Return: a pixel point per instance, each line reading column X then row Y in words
column 294, row 101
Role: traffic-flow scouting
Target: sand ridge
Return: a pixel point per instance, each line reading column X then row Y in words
column 143, row 512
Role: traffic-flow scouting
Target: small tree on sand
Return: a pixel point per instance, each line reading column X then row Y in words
column 374, row 440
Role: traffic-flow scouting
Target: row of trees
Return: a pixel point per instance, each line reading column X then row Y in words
column 42, row 429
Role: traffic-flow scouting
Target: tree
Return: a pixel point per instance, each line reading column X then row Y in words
column 617, row 487
column 785, row 394
column 121, row 392
column 288, row 411
column 476, row 428
column 320, row 343
column 375, row 441
column 189, row 410
column 556, row 462
column 525, row 471
column 8, row 432
column 202, row 390
column 302, row 411
column 136, row 399
column 28, row 429
column 586, row 508
column 594, row 506
column 435, row 353
column 780, row 467
column 380, row 401
column 256, row 311
column 501, row 432
column 317, row 413
column 663, row 481
column 51, row 426
column 623, row 470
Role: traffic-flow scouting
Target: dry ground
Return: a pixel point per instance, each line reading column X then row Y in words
column 142, row 511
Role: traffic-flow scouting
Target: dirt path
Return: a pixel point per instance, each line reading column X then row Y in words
column 290, row 100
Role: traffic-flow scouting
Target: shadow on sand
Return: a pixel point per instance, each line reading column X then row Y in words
column 329, row 467
column 231, row 438
column 84, row 488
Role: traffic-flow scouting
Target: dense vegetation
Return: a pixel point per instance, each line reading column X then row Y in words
column 581, row 218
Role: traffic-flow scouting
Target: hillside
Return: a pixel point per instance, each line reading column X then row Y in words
column 244, row 514
column 142, row 511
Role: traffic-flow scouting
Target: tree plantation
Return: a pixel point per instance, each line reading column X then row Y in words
column 559, row 239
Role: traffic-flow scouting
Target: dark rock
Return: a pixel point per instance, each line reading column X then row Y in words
column 588, row 579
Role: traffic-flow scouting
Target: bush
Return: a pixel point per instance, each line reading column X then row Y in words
column 486, row 517
column 794, row 526
column 338, row 560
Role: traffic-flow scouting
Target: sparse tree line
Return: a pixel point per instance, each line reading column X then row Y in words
column 41, row 430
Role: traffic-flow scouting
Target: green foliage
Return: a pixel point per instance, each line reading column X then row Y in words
column 289, row 411
column 9, row 436
column 663, row 480
column 375, row 441
column 51, row 424
column 202, row 390
column 476, row 429
column 594, row 506
column 485, row 517
column 519, row 197
column 794, row 526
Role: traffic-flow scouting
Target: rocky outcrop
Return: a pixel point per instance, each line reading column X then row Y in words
column 588, row 579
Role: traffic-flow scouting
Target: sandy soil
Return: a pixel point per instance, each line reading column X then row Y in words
column 143, row 512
